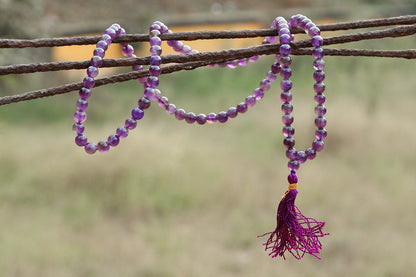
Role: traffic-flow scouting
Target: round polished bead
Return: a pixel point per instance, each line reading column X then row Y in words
column 319, row 87
column 288, row 131
column 319, row 98
column 152, row 81
column 242, row 107
column 103, row 147
column 155, row 50
column 88, row 82
column 155, row 41
column 163, row 102
column 271, row 39
column 222, row 117
column 264, row 85
column 232, row 112
column 81, row 105
column 286, row 96
column 99, row 52
column 154, row 33
column 144, row 103
column 319, row 76
column 190, row 117
column 156, row 95
column 178, row 46
column 127, row 50
column 285, row 61
column 106, row 38
column 285, row 49
column 90, row 148
column 81, row 140
column 258, row 93
column 154, row 70
column 80, row 117
column 309, row 26
column 285, row 38
column 111, row 32
column 318, row 145
column 122, row 132
column 180, row 114
column 155, row 27
column 320, row 110
column 314, row 31
column 319, row 64
column 78, row 128
column 253, row 59
column 201, row 119
column 291, row 153
column 284, row 31
column 137, row 113
column 212, row 118
column 302, row 157
column 304, row 22
column 92, row 71
column 113, row 140
column 318, row 53
column 310, row 153
column 287, row 119
column 317, row 41
column 286, row 85
column 186, row 49
column 320, row 122
column 321, row 134
column 171, row 109
column 102, row 44
column 293, row 165
column 289, row 142
column 275, row 68
column 130, row 123
column 155, row 60
column 287, row 108
column 271, row 77
column 84, row 93
column 250, row 101
column 286, row 73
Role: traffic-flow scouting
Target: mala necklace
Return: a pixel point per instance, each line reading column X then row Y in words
column 294, row 232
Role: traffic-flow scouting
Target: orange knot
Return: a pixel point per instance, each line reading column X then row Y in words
column 292, row 186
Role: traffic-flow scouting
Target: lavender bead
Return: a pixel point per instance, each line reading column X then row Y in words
column 113, row 140
column 81, row 140
column 242, row 107
column 293, row 165
column 319, row 99
column 122, row 132
column 201, row 119
column 286, row 73
column 309, row 26
column 285, row 39
column 222, row 117
column 152, row 81
column 319, row 76
column 318, row 145
column 137, row 67
column 285, row 49
column 106, row 38
column 271, row 77
column 286, row 96
column 271, row 39
column 103, row 147
column 320, row 122
column 154, row 33
column 111, row 32
column 78, row 128
column 92, row 71
column 177, row 46
column 186, row 49
column 88, row 82
column 232, row 112
column 130, row 123
column 137, row 113
column 317, row 41
column 155, row 41
column 285, row 61
column 127, row 50
column 99, row 52
column 291, row 154
column 102, row 44
column 180, row 114
column 284, row 31
column 155, row 50
column 144, row 103
column 287, row 108
column 242, row 62
column 319, row 64
column 155, row 60
column 212, row 118
column 318, row 53
column 289, row 142
column 264, row 85
column 250, row 101
column 81, row 105
column 171, row 109
column 155, row 26
column 321, row 134
column 80, row 117
column 163, row 102
column 84, row 93
column 302, row 157
column 288, row 131
column 287, row 119
column 275, row 68
column 154, row 70
column 190, row 117
column 314, row 31
column 258, row 93
column 286, row 85
column 149, row 92
column 319, row 87
column 90, row 148
column 320, row 110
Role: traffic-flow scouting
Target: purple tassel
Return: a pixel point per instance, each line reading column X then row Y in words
column 294, row 233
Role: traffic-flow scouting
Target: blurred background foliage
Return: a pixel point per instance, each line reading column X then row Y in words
column 180, row 200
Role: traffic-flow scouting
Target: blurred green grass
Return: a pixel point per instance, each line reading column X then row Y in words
column 180, row 200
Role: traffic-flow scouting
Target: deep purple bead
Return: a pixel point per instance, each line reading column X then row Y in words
column 122, row 132
column 291, row 153
column 275, row 68
column 319, row 87
column 303, row 23
column 106, row 38
column 284, row 31
column 318, row 53
column 201, row 119
column 242, row 107
column 222, row 117
column 317, row 41
column 309, row 26
column 258, row 93
column 80, row 117
column 318, row 145
column 171, row 109
column 113, row 140
column 287, row 119
column 152, row 81
column 314, row 31
column 320, row 110
column 163, row 102
column 102, row 44
column 90, row 148
column 177, row 46
column 285, row 61
column 319, row 99
column 302, row 157
column 285, row 49
column 264, row 85
column 149, row 92
column 82, row 105
column 287, row 108
column 289, row 142
column 319, row 64
column 155, row 41
column 81, row 140
column 293, row 165
column 127, row 50
column 212, row 118
column 111, row 32
column 144, row 103
column 321, row 134
column 310, row 153
column 88, row 82
column 137, row 113
column 320, row 122
column 130, row 123
column 92, row 71
column 84, row 93
column 103, row 147
column 294, row 21
column 155, row 50
column 154, row 70
column 286, row 96
column 285, row 39
column 286, row 85
column 283, row 26
column 78, row 128
column 180, row 114
column 155, row 60
column 271, row 77
column 319, row 76
column 99, row 52
column 232, row 112
column 250, row 101
column 190, row 117
column 288, row 131
column 286, row 73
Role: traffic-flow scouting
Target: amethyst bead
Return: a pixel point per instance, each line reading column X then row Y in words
column 319, row 76
column 190, row 117
column 285, row 38
column 102, row 44
column 84, row 93
column 152, row 81
column 250, row 101
column 96, row 61
column 111, row 32
column 99, row 52
column 317, row 41
column 155, row 41
column 103, row 147
column 90, row 148
column 258, row 94
column 81, row 105
column 149, row 92
column 314, row 31
column 271, row 77
column 320, row 122
column 155, row 50
column 287, row 108
column 106, row 38
column 291, row 153
column 318, row 145
column 155, row 60
column 289, row 142
column 171, row 109
column 319, row 64
column 201, row 119
column 156, row 95
column 154, row 70
column 275, row 68
column 222, row 117
column 302, row 157
column 88, row 82
column 285, row 49
column 293, row 165
column 113, row 140
column 286, row 96
column 81, row 140
column 320, row 110
column 287, row 119
column 130, row 123
column 318, row 53
column 285, row 61
column 144, row 103
column 286, row 85
column 319, row 98
column 265, row 85
column 137, row 113
column 80, row 117
column 242, row 107
column 78, row 128
column 92, row 71
column 232, row 112
column 288, row 131
column 211, row 118
column 319, row 87
column 163, row 102
column 286, row 73
column 127, row 50
column 310, row 153
column 180, row 114
column 122, row 132
column 321, row 134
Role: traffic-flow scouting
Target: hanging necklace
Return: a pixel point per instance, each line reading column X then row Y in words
column 294, row 232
